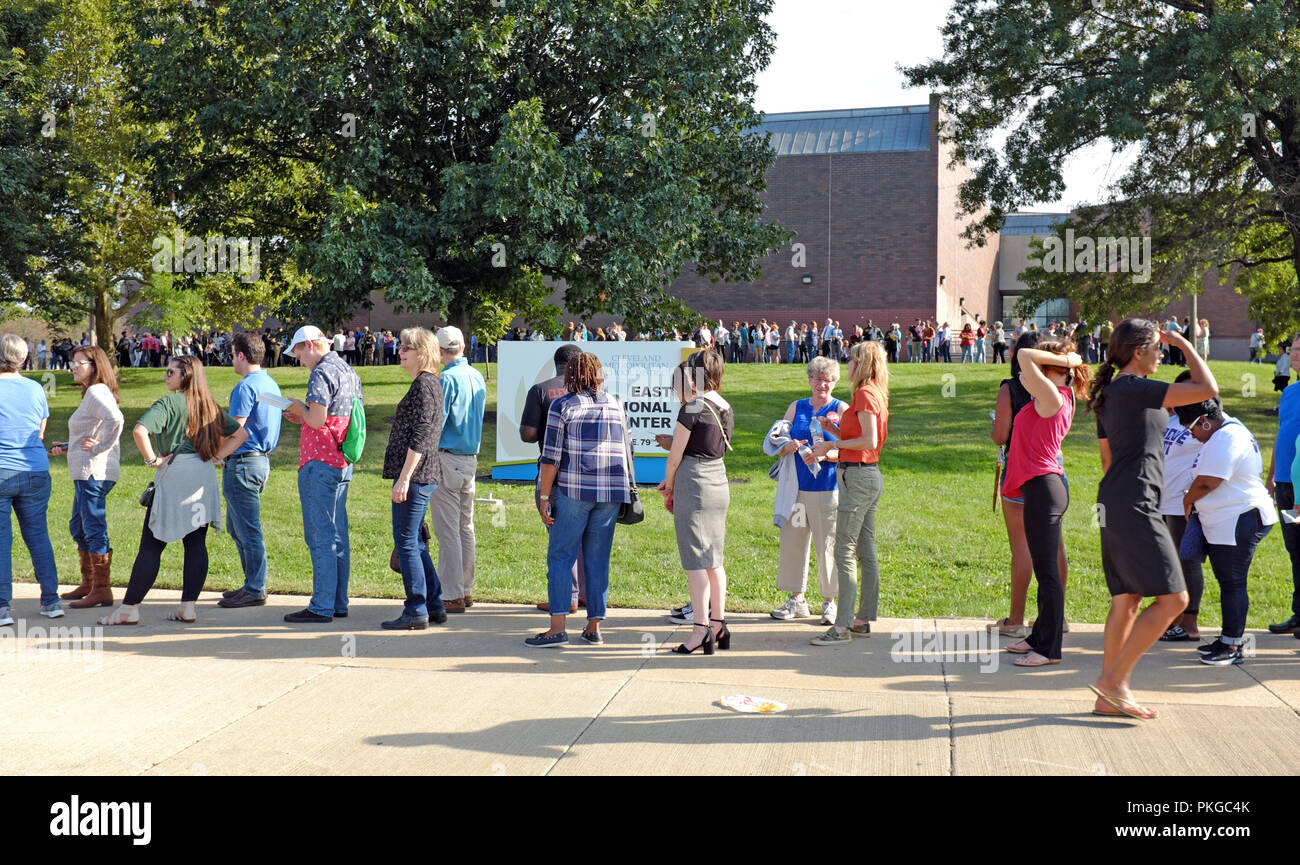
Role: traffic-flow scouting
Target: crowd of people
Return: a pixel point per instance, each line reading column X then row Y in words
column 1181, row 483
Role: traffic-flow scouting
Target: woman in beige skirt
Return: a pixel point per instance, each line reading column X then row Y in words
column 696, row 493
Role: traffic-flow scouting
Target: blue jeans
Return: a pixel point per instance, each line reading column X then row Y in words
column 585, row 526
column 242, row 481
column 324, row 493
column 419, row 576
column 28, row 495
column 89, row 523
column 967, row 354
column 789, row 352
column 1231, row 566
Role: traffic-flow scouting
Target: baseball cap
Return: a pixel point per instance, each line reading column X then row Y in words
column 306, row 333
column 450, row 338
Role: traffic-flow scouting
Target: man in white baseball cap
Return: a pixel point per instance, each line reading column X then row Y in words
column 464, row 398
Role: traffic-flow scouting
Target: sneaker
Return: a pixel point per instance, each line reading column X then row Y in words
column 542, row 641
column 832, row 637
column 683, row 615
column 406, row 623
column 793, row 608
column 829, row 610
column 593, row 637
column 1222, row 655
column 5, row 618
column 241, row 598
column 52, row 611
column 306, row 617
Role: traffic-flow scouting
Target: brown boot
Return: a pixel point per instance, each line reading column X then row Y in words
column 84, row 589
column 101, row 594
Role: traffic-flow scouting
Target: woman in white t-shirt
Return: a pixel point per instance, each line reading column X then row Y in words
column 1180, row 451
column 1233, row 514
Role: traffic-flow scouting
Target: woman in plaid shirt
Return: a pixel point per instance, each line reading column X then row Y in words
column 584, row 481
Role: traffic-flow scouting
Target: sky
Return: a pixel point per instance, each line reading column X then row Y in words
column 845, row 53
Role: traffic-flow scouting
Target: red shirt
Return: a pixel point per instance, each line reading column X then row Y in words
column 1036, row 444
column 869, row 398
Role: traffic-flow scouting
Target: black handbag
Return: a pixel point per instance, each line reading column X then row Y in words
column 146, row 497
column 632, row 511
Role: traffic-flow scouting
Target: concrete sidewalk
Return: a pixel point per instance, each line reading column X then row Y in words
column 241, row 692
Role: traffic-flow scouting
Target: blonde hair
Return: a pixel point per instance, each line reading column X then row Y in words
column 425, row 345
column 870, row 365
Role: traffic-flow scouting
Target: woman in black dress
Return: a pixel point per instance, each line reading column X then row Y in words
column 1137, row 553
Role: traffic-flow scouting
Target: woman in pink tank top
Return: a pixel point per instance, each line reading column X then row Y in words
column 1054, row 375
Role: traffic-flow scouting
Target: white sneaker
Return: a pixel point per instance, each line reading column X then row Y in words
column 5, row 617
column 828, row 612
column 793, row 608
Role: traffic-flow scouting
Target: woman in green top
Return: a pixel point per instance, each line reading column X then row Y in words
column 190, row 431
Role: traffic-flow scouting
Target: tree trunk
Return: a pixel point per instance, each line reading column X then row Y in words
column 105, row 319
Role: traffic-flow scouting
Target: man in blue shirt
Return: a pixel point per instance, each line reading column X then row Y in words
column 248, row 468
column 464, row 398
column 1282, row 485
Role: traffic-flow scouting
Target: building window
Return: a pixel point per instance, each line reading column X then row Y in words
column 1052, row 310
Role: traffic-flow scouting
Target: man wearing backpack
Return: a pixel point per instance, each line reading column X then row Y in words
column 333, row 398
column 452, row 504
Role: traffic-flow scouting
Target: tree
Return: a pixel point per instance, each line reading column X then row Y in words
column 461, row 155
column 1204, row 91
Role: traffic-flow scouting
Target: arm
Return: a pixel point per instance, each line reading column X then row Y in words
column 402, row 485
column 1272, row 467
column 144, row 445
column 231, row 444
column 868, row 441
column 792, row 445
column 1104, row 444
column 681, row 435
column 1047, row 399
column 1201, row 386
column 528, row 434
column 1002, row 417
column 1201, row 487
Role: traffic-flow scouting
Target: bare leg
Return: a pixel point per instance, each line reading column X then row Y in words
column 700, row 592
column 1022, row 569
column 1132, row 637
column 717, row 578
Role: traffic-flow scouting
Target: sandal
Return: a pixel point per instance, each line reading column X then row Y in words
column 117, row 618
column 178, row 615
column 1177, row 634
column 1015, row 649
column 1033, row 659
column 1005, row 630
column 1127, row 707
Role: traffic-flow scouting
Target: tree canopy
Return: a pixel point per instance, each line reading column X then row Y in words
column 1204, row 95
column 461, row 155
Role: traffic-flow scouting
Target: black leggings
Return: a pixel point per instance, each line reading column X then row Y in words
column 1192, row 574
column 145, row 570
column 1046, row 500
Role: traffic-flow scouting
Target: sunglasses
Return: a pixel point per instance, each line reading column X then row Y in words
column 172, row 372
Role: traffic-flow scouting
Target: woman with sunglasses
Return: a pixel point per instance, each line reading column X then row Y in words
column 1137, row 554
column 189, row 428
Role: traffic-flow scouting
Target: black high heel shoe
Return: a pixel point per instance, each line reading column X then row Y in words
column 707, row 645
column 723, row 637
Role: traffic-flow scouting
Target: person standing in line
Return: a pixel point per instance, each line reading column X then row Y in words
column 1203, row 338
column 945, row 342
column 585, row 480
column 1137, row 553
column 247, row 470
column 464, row 399
column 324, row 474
column 772, row 342
column 1257, row 346
column 696, row 493
column 862, row 432
column 999, row 343
column 893, row 338
column 1180, row 451
column 411, row 463
column 1281, row 483
column 816, row 498
column 791, row 342
column 94, row 464
column 1104, row 332
column 1282, row 371
column 914, row 342
column 1232, row 513
column 532, row 428
column 24, row 478
column 967, row 338
column 1054, row 375
column 981, row 337
column 193, row 434
column 927, row 343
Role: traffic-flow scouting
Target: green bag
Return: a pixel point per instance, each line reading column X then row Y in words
column 354, row 443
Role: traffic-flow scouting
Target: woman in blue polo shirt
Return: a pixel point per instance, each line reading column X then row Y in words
column 812, row 519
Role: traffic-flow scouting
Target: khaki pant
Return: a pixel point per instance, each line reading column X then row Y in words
column 811, row 525
column 452, row 506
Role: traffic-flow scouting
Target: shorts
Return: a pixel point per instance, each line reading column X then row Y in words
column 1020, row 500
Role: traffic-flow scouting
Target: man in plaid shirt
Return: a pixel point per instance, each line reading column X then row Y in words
column 584, row 460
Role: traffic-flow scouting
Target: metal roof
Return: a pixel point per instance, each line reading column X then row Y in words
column 1032, row 223
column 854, row 130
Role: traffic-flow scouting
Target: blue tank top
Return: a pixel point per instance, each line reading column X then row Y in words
column 802, row 428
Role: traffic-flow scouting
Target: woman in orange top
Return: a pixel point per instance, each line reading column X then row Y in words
column 861, row 433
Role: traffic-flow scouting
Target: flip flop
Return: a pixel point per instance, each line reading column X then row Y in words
column 1024, row 661
column 1097, row 711
column 1116, row 703
column 1177, row 634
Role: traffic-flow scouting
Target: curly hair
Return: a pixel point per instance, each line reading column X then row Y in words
column 583, row 372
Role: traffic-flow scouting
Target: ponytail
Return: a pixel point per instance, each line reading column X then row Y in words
column 1105, row 373
column 1129, row 335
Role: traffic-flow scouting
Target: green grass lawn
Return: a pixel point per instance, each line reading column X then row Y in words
column 943, row 550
